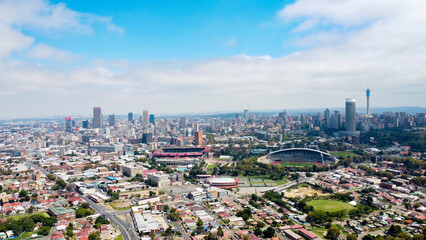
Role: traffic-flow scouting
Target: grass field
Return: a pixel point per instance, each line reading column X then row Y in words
column 343, row 154
column 17, row 217
column 120, row 237
column 290, row 164
column 210, row 167
column 329, row 205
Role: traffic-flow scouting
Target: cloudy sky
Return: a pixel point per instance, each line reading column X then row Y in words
column 64, row 57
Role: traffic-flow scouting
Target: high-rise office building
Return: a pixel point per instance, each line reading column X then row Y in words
column 214, row 124
column 152, row 119
column 327, row 114
column 97, row 121
column 182, row 122
column 350, row 121
column 368, row 101
column 111, row 119
column 145, row 118
column 147, row 138
column 246, row 115
column 336, row 120
column 86, row 124
column 68, row 124
column 350, row 109
column 199, row 138
column 130, row 116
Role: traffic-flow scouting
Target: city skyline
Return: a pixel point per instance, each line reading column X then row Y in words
column 64, row 57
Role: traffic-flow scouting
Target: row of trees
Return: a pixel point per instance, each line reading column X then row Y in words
column 385, row 138
column 27, row 224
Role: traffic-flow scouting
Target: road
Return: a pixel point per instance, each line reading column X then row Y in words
column 289, row 185
column 126, row 229
column 180, row 229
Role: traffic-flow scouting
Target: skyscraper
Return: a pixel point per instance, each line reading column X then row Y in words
column 214, row 124
column 97, row 121
column 145, row 118
column 86, row 124
column 68, row 124
column 368, row 101
column 246, row 115
column 130, row 116
column 182, row 122
column 147, row 138
column 111, row 119
column 152, row 119
column 327, row 114
column 350, row 109
column 199, row 138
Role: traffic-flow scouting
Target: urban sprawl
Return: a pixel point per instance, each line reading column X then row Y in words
column 249, row 175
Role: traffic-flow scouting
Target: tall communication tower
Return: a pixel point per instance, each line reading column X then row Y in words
column 368, row 101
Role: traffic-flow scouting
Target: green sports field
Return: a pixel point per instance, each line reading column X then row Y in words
column 210, row 167
column 291, row 164
column 343, row 154
column 329, row 205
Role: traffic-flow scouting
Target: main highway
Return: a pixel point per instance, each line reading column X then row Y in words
column 126, row 230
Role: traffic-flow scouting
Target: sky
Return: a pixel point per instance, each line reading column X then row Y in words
column 62, row 58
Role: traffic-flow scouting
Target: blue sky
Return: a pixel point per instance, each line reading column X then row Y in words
column 64, row 57
column 165, row 30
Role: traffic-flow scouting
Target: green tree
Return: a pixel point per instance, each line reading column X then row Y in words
column 220, row 231
column 70, row 232
column 95, row 236
column 101, row 220
column 50, row 221
column 333, row 233
column 200, row 225
column 85, row 205
column 23, row 193
column 269, row 232
column 418, row 237
column 258, row 232
column 43, row 230
column 404, row 236
column 166, row 208
column 394, row 230
column 351, row 237
column 81, row 212
column 30, row 209
column 408, row 205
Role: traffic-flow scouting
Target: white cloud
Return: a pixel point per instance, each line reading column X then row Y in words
column 112, row 28
column 306, row 25
column 347, row 12
column 43, row 51
column 231, row 42
column 40, row 15
column 12, row 40
column 383, row 48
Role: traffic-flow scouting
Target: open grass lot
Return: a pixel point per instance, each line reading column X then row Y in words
column 210, row 167
column 290, row 164
column 343, row 154
column 329, row 205
column 17, row 217
column 26, row 235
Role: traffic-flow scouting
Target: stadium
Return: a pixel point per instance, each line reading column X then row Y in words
column 181, row 156
column 301, row 155
column 223, row 182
